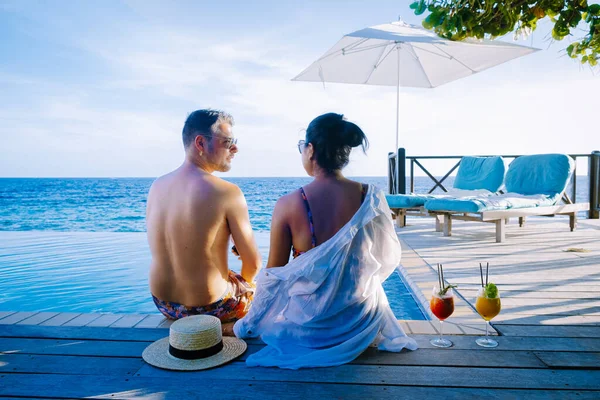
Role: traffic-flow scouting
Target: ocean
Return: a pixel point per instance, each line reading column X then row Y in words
column 118, row 205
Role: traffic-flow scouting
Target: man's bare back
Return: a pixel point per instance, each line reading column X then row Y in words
column 190, row 217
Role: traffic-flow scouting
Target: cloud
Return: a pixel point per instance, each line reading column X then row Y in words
column 126, row 119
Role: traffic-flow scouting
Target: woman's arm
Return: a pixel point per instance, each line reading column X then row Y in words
column 281, row 236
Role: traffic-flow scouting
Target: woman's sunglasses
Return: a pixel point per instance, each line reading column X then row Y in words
column 301, row 145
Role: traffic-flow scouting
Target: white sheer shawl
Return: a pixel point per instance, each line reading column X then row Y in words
column 327, row 306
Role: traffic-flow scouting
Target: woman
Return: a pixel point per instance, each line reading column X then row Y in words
column 327, row 305
column 330, row 199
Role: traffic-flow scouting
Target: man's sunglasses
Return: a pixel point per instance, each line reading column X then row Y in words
column 227, row 142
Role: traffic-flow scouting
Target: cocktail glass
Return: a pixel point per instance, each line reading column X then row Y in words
column 488, row 308
column 442, row 306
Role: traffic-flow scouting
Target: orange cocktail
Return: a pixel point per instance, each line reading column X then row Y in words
column 488, row 305
column 488, row 308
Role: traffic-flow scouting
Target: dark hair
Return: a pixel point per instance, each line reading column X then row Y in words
column 203, row 122
column 333, row 137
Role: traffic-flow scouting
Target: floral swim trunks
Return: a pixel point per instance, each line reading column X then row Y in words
column 234, row 304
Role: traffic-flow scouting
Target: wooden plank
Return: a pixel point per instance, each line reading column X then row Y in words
column 60, row 319
column 507, row 343
column 549, row 320
column 454, row 358
column 105, row 320
column 565, row 359
column 16, row 317
column 526, row 212
column 166, row 323
column 128, row 321
column 519, row 343
column 82, row 320
column 21, row 398
column 495, row 378
column 372, row 356
column 554, row 293
column 549, row 331
column 104, row 387
column 6, row 313
column 80, row 365
column 422, row 327
column 37, row 318
column 151, row 321
column 75, row 347
column 473, row 329
column 68, row 332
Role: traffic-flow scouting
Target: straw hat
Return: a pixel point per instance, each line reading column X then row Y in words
column 194, row 343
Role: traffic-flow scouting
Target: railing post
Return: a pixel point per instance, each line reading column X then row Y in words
column 412, row 175
column 594, row 175
column 574, row 185
column 391, row 173
column 401, row 171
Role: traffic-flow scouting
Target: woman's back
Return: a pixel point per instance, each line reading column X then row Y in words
column 320, row 209
column 314, row 213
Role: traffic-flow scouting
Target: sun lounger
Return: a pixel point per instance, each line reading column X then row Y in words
column 476, row 176
column 535, row 185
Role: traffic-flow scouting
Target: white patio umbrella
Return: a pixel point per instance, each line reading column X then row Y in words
column 400, row 54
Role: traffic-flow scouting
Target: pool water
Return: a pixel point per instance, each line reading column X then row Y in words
column 91, row 272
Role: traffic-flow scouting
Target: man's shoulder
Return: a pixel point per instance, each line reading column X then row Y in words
column 223, row 187
column 157, row 184
column 219, row 192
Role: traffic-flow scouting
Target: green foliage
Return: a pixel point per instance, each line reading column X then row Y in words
column 491, row 291
column 461, row 19
column 445, row 289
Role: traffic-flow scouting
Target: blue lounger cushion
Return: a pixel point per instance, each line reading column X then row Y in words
column 540, row 174
column 480, row 173
column 531, row 181
column 417, row 200
column 407, row 200
column 476, row 176
column 488, row 203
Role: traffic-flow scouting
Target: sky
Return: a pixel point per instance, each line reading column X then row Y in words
column 102, row 89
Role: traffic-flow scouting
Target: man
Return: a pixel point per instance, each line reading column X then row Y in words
column 190, row 217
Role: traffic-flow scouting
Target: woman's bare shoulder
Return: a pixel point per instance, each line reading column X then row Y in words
column 289, row 200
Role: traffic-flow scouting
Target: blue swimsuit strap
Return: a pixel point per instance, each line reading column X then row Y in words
column 310, row 218
column 365, row 188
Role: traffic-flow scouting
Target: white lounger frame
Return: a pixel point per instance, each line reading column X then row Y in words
column 399, row 214
column 500, row 217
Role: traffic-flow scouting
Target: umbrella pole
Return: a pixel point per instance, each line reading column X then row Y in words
column 398, row 169
column 398, row 101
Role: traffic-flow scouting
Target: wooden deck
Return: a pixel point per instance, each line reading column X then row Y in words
column 540, row 282
column 77, row 362
column 549, row 334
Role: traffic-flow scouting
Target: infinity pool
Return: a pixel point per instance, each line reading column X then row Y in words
column 92, row 272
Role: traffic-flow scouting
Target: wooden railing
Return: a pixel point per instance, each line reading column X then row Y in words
column 397, row 175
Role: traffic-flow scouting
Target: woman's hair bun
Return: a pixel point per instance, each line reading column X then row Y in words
column 333, row 137
column 351, row 134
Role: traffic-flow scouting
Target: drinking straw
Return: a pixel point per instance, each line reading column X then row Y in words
column 439, row 276
column 487, row 268
column 442, row 269
column 481, row 274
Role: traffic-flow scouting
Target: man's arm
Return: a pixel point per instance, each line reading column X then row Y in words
column 241, row 231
